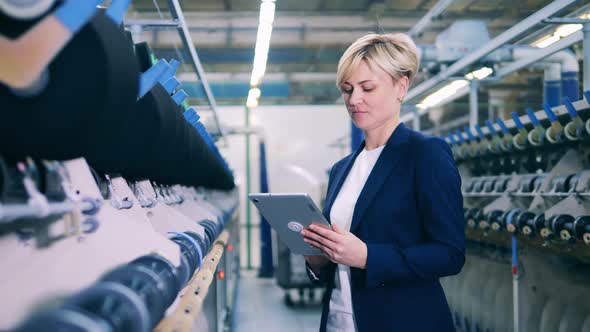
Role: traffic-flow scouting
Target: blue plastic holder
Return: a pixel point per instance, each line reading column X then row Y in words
column 503, row 126
column 479, row 132
column 491, row 128
column 516, row 119
column 179, row 97
column 74, row 14
column 469, row 134
column 170, row 72
column 452, row 139
column 532, row 117
column 461, row 138
column 149, row 79
column 587, row 96
column 571, row 110
column 550, row 115
column 191, row 116
column 171, row 84
column 117, row 10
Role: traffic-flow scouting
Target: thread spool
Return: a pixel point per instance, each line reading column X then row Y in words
column 68, row 118
column 144, row 55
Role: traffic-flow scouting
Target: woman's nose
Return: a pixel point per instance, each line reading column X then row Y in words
column 355, row 98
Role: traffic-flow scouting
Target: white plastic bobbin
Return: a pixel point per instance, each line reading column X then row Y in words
column 25, row 9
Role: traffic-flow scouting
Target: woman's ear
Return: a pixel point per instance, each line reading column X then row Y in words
column 402, row 86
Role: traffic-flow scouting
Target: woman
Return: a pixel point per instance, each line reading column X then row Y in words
column 395, row 205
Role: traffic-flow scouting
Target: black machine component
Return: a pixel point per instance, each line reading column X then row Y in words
column 190, row 250
column 527, row 223
column 501, row 185
column 116, row 304
column 212, row 230
column 478, row 185
column 473, row 216
column 64, row 319
column 582, row 228
column 494, row 220
column 146, row 284
column 489, row 185
column 561, row 226
column 166, row 272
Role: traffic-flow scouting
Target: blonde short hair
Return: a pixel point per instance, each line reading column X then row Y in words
column 395, row 53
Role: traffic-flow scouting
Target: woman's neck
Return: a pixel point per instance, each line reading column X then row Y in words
column 378, row 136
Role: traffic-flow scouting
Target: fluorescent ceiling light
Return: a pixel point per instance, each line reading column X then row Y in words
column 562, row 31
column 442, row 94
column 546, row 41
column 267, row 12
column 253, row 96
column 480, row 74
column 266, row 18
column 567, row 29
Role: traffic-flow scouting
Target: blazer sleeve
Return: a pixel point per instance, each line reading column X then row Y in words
column 325, row 272
column 440, row 208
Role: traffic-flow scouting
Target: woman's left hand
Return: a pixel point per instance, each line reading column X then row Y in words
column 341, row 246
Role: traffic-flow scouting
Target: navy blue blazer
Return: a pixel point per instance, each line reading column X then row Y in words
column 410, row 216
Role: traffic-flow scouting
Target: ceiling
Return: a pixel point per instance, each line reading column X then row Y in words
column 309, row 36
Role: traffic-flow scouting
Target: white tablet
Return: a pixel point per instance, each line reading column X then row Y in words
column 288, row 214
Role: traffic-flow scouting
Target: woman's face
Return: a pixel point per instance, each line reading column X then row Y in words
column 372, row 97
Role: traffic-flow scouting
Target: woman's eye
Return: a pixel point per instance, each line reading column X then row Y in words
column 347, row 91
column 367, row 89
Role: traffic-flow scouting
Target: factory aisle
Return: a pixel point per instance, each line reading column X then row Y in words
column 260, row 308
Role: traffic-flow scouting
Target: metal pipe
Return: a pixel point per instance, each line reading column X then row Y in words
column 426, row 20
column 473, row 109
column 416, row 122
column 540, row 54
column 494, row 44
column 248, row 213
column 517, row 65
column 176, row 12
column 586, row 61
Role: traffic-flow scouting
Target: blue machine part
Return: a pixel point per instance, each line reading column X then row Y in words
column 179, row 97
column 532, row 117
column 171, row 84
column 552, row 92
column 117, row 10
column 75, row 14
column 149, row 79
column 502, row 126
column 570, row 86
column 550, row 115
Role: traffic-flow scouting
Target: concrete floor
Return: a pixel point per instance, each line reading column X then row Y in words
column 261, row 307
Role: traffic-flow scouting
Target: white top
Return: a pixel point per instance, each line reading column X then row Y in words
column 341, row 316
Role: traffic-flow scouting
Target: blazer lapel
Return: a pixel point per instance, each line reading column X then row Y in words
column 395, row 149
